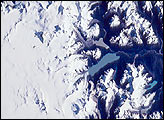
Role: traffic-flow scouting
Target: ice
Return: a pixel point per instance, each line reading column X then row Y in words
column 82, row 60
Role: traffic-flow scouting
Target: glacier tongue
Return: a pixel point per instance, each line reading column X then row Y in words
column 82, row 59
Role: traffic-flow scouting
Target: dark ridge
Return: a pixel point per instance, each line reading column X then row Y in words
column 110, row 13
column 77, row 108
column 101, row 108
column 120, row 72
column 39, row 35
column 113, row 108
column 60, row 9
column 103, row 7
column 57, row 28
column 121, row 66
column 94, row 5
column 41, row 8
column 162, row 50
column 99, row 10
column 16, row 5
column 140, row 9
column 142, row 52
column 42, row 106
column 158, row 104
column 156, row 20
column 49, row 3
column 153, row 62
column 91, row 117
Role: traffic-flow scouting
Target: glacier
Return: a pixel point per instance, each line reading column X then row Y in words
column 82, row 59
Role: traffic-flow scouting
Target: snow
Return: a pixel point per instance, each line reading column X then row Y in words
column 34, row 59
column 93, row 31
column 58, row 60
column 137, row 97
column 115, row 21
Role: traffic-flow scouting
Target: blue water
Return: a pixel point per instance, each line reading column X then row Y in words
column 108, row 58
column 152, row 84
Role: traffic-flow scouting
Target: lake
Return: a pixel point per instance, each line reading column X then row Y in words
column 108, row 58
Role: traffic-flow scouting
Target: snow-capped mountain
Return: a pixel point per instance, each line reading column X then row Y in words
column 82, row 59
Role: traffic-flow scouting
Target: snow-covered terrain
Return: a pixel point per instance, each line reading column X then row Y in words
column 82, row 59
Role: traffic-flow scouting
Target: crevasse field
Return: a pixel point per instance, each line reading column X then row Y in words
column 82, row 59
